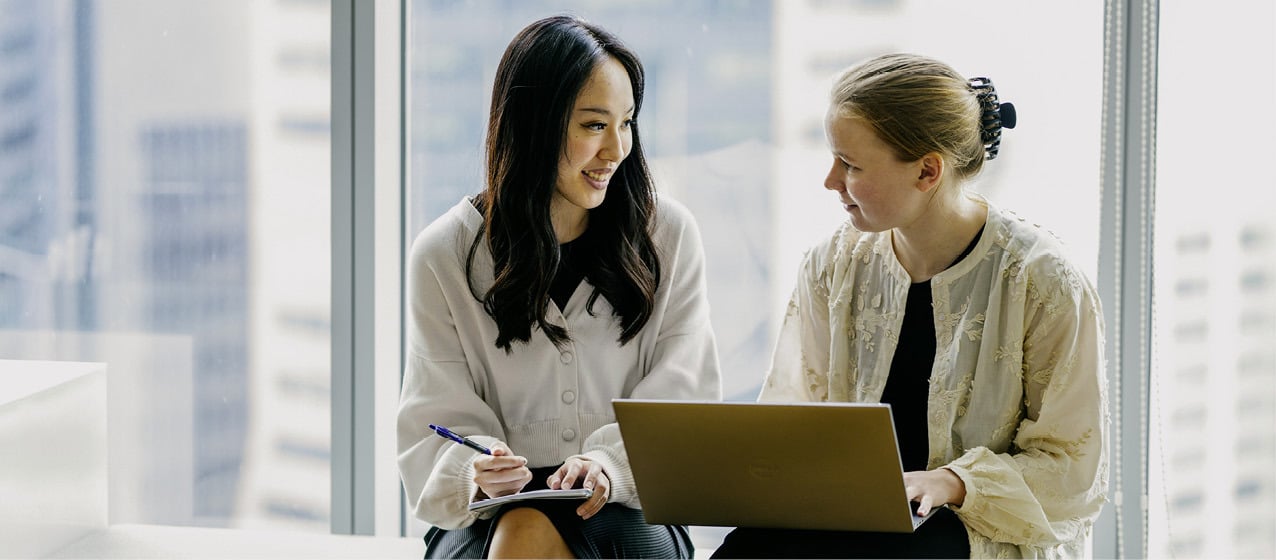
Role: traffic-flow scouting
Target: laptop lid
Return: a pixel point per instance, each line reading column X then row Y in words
column 829, row 466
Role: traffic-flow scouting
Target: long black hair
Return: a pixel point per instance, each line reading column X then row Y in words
column 540, row 75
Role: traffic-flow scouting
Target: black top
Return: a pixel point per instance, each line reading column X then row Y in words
column 906, row 386
column 573, row 259
column 575, row 256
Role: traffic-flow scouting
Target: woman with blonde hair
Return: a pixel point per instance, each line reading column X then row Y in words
column 969, row 321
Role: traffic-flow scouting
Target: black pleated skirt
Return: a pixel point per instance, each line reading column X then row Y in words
column 615, row 531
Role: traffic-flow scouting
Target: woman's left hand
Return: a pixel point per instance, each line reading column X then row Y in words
column 592, row 476
column 934, row 488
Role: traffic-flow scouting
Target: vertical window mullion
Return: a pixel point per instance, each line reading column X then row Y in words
column 343, row 367
column 1125, row 271
column 385, row 244
column 367, row 264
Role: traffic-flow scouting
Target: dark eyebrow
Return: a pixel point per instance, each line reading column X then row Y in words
column 602, row 111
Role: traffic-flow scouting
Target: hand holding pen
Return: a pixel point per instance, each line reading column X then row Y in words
column 498, row 471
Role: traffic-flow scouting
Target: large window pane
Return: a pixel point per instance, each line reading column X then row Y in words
column 1212, row 467
column 164, row 208
column 734, row 112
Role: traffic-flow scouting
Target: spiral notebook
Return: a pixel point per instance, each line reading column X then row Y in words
column 830, row 466
column 570, row 494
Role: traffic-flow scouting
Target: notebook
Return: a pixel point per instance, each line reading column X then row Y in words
column 568, row 494
column 829, row 466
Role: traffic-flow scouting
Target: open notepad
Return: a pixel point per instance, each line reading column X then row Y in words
column 571, row 494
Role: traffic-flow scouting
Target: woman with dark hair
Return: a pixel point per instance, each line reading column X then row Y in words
column 564, row 284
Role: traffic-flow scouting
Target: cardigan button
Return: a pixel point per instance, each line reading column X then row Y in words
column 566, row 357
column 569, row 434
column 568, row 397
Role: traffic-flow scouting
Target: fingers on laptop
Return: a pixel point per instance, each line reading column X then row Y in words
column 926, row 489
column 917, row 493
column 938, row 487
column 924, row 505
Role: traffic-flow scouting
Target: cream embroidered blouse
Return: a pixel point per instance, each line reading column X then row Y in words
column 1017, row 401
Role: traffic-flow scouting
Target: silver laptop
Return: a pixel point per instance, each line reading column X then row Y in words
column 829, row 466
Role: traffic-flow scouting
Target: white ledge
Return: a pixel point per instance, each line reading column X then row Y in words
column 156, row 541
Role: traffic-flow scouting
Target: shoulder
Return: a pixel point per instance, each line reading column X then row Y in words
column 1039, row 255
column 671, row 214
column 673, row 224
column 447, row 239
column 838, row 247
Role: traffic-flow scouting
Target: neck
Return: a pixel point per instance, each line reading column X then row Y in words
column 569, row 220
column 931, row 243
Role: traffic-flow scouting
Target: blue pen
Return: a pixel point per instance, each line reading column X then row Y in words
column 461, row 440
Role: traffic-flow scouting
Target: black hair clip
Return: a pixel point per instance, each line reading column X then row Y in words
column 995, row 115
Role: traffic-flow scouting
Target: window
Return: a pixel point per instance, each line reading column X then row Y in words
column 1194, row 331
column 1256, row 447
column 151, row 158
column 1200, row 189
column 1255, row 282
column 1192, row 374
column 1193, row 244
column 1192, row 287
column 1256, row 236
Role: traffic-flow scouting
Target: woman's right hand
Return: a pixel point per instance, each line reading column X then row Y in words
column 502, row 473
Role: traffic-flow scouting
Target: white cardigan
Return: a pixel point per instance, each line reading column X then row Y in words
column 1017, row 403
column 546, row 404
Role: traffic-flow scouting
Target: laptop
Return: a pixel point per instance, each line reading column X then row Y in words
column 828, row 466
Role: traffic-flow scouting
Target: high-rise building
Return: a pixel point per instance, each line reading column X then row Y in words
column 1215, row 394
column 191, row 237
column 44, row 227
column 173, row 157
column 286, row 471
column 123, row 232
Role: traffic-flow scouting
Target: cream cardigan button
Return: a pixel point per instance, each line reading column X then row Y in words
column 568, row 397
column 566, row 357
column 569, row 434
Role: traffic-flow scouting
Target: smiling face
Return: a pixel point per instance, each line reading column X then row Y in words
column 876, row 189
column 599, row 136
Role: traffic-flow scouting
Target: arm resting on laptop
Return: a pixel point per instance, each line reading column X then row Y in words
column 1051, row 485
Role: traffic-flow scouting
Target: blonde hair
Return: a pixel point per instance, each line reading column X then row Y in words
column 917, row 105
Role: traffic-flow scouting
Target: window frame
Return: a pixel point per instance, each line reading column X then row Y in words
column 367, row 271
column 1124, row 282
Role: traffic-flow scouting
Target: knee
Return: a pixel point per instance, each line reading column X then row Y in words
column 524, row 521
column 527, row 533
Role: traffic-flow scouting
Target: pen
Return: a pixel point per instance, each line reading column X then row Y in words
column 461, row 440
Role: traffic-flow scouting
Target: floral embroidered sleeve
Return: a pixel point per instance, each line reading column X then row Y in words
column 800, row 363
column 1050, row 485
